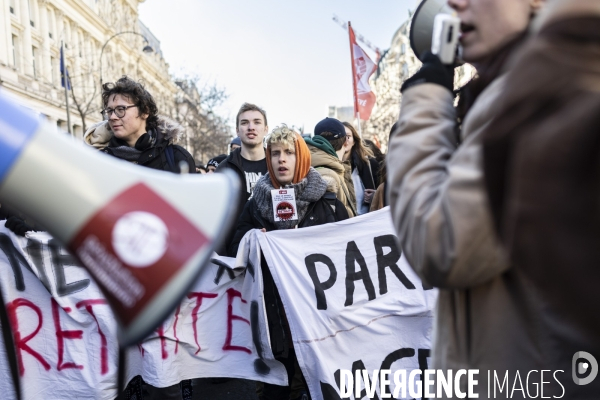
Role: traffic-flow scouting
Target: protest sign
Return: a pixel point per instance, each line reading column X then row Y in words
column 351, row 299
column 66, row 333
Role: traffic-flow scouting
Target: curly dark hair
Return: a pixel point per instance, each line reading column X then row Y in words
column 137, row 94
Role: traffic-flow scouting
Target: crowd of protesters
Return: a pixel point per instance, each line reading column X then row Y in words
column 493, row 188
column 329, row 174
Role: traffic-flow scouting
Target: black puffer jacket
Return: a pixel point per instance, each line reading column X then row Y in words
column 327, row 209
column 153, row 145
column 233, row 162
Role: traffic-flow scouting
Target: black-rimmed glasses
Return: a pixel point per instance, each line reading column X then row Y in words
column 119, row 111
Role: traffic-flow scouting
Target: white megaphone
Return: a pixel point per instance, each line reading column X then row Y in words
column 143, row 234
column 438, row 35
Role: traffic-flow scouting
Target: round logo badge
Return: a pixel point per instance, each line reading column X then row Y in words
column 285, row 210
column 140, row 239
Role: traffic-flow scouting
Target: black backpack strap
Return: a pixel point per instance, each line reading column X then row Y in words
column 330, row 198
column 170, row 158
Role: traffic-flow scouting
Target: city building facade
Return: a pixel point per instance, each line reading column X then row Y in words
column 102, row 40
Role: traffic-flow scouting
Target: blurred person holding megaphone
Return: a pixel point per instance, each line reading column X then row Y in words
column 439, row 205
column 541, row 159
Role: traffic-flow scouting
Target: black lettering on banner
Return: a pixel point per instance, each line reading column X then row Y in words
column 34, row 249
column 389, row 260
column 422, row 357
column 392, row 358
column 59, row 262
column 223, row 267
column 354, row 255
column 320, row 287
column 15, row 259
column 260, row 366
column 250, row 268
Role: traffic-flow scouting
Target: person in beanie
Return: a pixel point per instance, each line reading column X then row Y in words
column 288, row 163
column 133, row 131
column 213, row 163
column 235, row 144
column 327, row 152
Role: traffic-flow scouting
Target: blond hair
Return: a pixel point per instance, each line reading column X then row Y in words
column 282, row 134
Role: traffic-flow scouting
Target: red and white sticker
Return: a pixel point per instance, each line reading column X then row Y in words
column 134, row 246
column 284, row 204
column 140, row 238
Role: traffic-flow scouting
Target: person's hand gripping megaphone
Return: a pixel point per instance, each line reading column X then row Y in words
column 432, row 71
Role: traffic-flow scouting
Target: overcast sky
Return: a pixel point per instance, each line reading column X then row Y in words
column 288, row 57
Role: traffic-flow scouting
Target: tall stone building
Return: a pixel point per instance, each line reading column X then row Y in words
column 96, row 48
column 397, row 64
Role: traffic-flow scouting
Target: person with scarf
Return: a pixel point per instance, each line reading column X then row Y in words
column 133, row 131
column 288, row 164
column 327, row 149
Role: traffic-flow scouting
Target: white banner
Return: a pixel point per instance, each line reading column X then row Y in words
column 351, row 299
column 66, row 334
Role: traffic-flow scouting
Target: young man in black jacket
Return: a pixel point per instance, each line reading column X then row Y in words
column 248, row 162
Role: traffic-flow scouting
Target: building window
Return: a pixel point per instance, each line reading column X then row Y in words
column 31, row 18
column 50, row 25
column 53, row 70
column 404, row 70
column 12, row 7
column 15, row 51
column 34, row 54
column 403, row 48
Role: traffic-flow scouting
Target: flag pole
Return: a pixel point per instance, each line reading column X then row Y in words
column 352, row 40
column 65, row 83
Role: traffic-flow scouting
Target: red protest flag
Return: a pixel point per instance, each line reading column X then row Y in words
column 362, row 69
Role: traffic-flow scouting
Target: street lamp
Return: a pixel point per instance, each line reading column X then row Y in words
column 147, row 48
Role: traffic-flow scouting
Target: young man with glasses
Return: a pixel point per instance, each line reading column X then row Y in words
column 133, row 131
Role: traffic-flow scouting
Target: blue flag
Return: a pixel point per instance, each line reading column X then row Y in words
column 64, row 73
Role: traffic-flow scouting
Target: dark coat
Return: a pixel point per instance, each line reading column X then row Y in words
column 153, row 146
column 542, row 170
column 233, row 162
column 320, row 212
column 369, row 173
